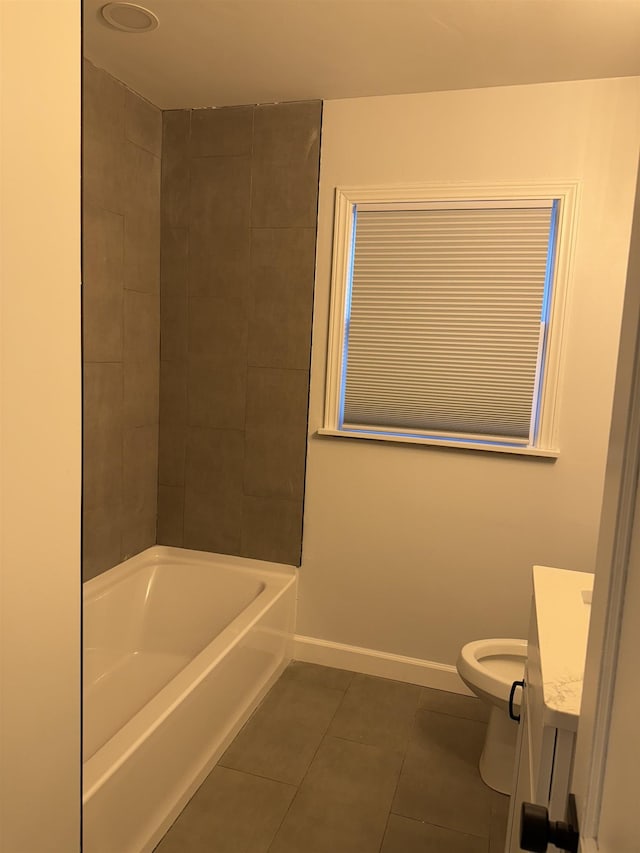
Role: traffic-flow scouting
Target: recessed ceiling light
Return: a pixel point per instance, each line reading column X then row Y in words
column 129, row 17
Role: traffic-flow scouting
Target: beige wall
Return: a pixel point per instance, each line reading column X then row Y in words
column 40, row 422
column 417, row 550
column 121, row 320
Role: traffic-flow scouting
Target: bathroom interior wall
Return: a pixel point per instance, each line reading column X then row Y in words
column 121, row 320
column 40, row 427
column 416, row 550
column 239, row 205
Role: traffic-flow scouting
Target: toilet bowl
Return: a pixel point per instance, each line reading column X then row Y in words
column 489, row 668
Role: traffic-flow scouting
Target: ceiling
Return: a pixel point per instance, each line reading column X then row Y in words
column 218, row 52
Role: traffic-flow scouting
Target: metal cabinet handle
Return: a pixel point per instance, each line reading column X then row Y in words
column 515, row 684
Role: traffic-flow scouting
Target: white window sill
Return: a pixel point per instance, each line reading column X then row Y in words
column 442, row 442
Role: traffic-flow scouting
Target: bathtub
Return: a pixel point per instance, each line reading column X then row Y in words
column 179, row 648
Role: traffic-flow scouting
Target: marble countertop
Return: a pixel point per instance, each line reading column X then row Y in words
column 563, row 609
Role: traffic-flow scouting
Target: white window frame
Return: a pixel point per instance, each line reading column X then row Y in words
column 347, row 198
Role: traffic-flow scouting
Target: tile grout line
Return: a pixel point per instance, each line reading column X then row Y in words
column 411, row 817
column 247, row 307
column 306, row 773
column 395, row 790
column 186, row 154
column 442, row 826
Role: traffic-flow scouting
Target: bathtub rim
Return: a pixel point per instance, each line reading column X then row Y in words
column 276, row 578
column 165, row 554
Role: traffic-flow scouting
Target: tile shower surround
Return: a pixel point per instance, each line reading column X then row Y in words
column 216, row 456
column 122, row 136
column 239, row 202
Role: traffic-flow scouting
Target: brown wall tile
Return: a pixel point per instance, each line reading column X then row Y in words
column 171, row 516
column 140, row 486
column 102, row 393
column 100, row 539
column 286, row 132
column 173, row 328
column 175, row 193
column 141, row 326
column 121, row 289
column 103, row 103
column 213, row 490
column 172, row 454
column 281, row 297
column 143, row 123
column 277, row 398
column 102, row 435
column 250, row 293
column 142, row 183
column 175, row 167
column 274, row 463
column 279, row 334
column 220, row 191
column 142, row 252
column 102, row 172
column 283, row 263
column 214, row 460
column 284, row 195
column 218, row 330
column 103, row 138
column 174, row 260
column 216, row 395
column 221, row 132
column 141, row 392
column 102, row 467
column 173, row 393
column 219, row 261
column 212, row 523
column 102, row 285
column 249, row 302
column 272, row 530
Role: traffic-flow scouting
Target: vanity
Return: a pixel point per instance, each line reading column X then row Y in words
column 551, row 695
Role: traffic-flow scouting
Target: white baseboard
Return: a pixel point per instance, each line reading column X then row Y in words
column 426, row 673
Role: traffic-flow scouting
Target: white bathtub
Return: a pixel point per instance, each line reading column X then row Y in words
column 179, row 647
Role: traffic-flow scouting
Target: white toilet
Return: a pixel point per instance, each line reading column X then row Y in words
column 489, row 668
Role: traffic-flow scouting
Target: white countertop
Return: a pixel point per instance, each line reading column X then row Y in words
column 562, row 617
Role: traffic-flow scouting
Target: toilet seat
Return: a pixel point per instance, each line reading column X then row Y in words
column 491, row 666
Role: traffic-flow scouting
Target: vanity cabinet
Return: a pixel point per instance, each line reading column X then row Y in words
column 550, row 699
column 542, row 773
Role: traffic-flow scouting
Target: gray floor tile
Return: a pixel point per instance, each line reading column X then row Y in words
column 231, row 812
column 377, row 711
column 340, row 737
column 282, row 737
column 405, row 835
column 343, row 803
column 499, row 816
column 440, row 782
column 469, row 707
column 314, row 673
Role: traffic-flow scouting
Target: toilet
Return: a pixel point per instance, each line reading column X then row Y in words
column 489, row 668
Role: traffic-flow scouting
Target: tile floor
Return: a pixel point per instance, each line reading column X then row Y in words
column 337, row 762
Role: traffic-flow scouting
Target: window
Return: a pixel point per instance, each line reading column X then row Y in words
column 447, row 314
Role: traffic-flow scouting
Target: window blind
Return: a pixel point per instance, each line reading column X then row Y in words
column 444, row 319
